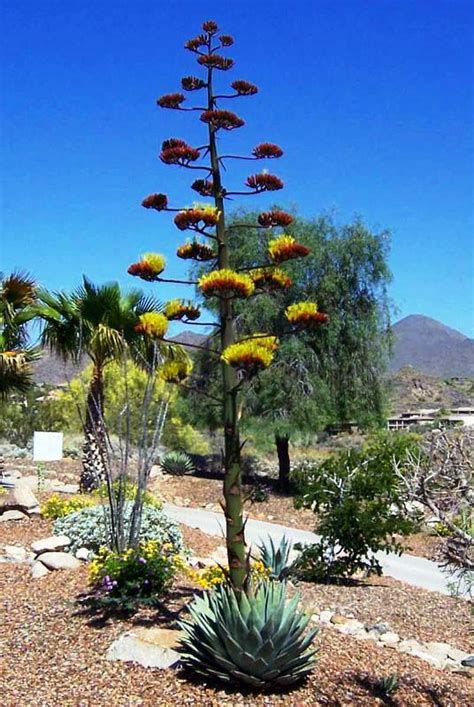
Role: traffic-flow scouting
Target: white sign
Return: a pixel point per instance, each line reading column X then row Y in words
column 47, row 446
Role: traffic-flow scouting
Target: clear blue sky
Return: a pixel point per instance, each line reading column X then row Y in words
column 372, row 101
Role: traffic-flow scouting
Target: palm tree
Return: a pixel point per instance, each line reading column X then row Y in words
column 98, row 321
column 17, row 297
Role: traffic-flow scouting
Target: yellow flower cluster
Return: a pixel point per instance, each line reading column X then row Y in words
column 175, row 371
column 148, row 550
column 305, row 314
column 58, row 506
column 178, row 309
column 211, row 577
column 251, row 354
column 271, row 277
column 149, row 267
column 153, row 324
column 285, row 248
column 226, row 282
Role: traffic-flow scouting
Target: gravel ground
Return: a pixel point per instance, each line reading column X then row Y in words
column 53, row 654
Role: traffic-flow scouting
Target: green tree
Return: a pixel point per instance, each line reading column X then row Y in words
column 332, row 375
column 17, row 297
column 241, row 358
column 100, row 322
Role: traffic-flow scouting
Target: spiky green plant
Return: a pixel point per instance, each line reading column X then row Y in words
column 256, row 638
column 177, row 463
column 276, row 558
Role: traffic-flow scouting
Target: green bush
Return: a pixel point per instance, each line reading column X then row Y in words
column 358, row 500
column 90, row 527
column 138, row 576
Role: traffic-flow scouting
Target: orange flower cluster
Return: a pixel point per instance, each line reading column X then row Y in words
column 271, row 278
column 175, row 151
column 196, row 251
column 226, row 282
column 226, row 40
column 171, row 100
column 149, row 267
column 267, row 150
column 264, row 182
column 204, row 187
column 192, row 83
column 196, row 219
column 210, row 27
column 222, row 119
column 285, row 248
column 178, row 309
column 155, row 201
column 269, row 219
column 194, row 44
column 244, row 88
column 305, row 314
column 215, row 61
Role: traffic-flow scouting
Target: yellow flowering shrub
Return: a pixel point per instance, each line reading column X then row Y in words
column 58, row 506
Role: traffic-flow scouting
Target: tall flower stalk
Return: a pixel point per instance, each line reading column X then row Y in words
column 239, row 359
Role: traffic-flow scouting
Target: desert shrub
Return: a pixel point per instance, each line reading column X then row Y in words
column 57, row 506
column 181, row 435
column 360, row 506
column 129, row 490
column 137, row 576
column 260, row 493
column 90, row 527
column 177, row 463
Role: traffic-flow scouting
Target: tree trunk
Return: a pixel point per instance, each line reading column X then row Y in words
column 233, row 501
column 283, row 451
column 94, row 448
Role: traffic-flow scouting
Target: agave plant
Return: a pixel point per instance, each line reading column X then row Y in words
column 177, row 463
column 276, row 559
column 256, row 638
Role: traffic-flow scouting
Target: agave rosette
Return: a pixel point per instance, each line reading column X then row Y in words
column 258, row 638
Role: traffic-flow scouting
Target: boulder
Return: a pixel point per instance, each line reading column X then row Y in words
column 19, row 498
column 51, row 544
column 15, row 553
column 38, row 570
column 83, row 554
column 149, row 647
column 13, row 515
column 59, row 561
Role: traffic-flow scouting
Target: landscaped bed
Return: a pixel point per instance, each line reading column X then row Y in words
column 54, row 652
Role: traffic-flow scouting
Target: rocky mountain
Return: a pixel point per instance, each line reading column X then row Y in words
column 431, row 348
column 410, row 389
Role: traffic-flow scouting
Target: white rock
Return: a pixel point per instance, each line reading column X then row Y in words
column 54, row 542
column 390, row 638
column 325, row 616
column 13, row 515
column 67, row 488
column 151, row 648
column 409, row 645
column 38, row 570
column 15, row 553
column 352, row 627
column 83, row 554
column 444, row 651
column 59, row 561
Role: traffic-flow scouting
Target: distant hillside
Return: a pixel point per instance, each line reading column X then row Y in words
column 411, row 390
column 432, row 348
